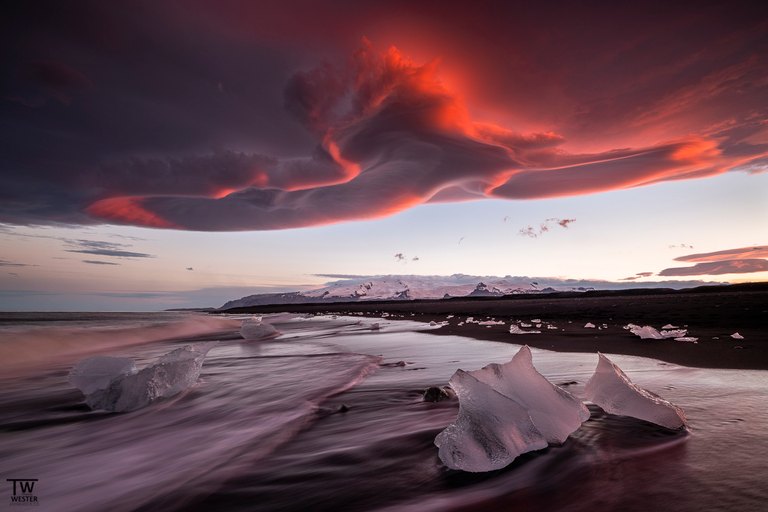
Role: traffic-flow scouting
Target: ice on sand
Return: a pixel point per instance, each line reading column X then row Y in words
column 514, row 329
column 490, row 431
column 504, row 411
column 612, row 390
column 171, row 374
column 647, row 332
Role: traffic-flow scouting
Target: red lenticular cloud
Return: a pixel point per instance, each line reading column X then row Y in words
column 231, row 116
column 394, row 137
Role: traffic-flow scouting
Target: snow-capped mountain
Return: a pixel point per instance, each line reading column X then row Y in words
column 404, row 288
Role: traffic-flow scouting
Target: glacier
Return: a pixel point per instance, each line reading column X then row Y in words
column 506, row 410
column 113, row 384
column 615, row 393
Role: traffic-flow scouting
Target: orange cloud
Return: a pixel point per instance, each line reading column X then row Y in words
column 391, row 136
column 758, row 251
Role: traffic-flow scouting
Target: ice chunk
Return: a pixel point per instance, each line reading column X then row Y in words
column 491, row 322
column 646, row 332
column 536, row 321
column 669, row 326
column 97, row 372
column 737, row 336
column 514, row 329
column 490, row 431
column 504, row 411
column 674, row 333
column 524, row 324
column 687, row 338
column 252, row 329
column 612, row 390
column 555, row 412
column 589, row 325
column 376, row 326
column 171, row 374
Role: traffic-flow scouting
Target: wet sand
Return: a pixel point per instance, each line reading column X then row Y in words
column 711, row 315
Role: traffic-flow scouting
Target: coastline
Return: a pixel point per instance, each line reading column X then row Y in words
column 711, row 316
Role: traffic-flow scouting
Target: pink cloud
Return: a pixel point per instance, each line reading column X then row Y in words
column 737, row 266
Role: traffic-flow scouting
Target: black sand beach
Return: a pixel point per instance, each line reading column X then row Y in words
column 710, row 314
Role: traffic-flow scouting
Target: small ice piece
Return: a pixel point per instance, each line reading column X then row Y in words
column 688, row 339
column 674, row 333
column 253, row 330
column 504, row 411
column 523, row 324
column 375, row 326
column 96, row 373
column 552, row 327
column 737, row 336
column 491, row 322
column 490, row 431
column 612, row 390
column 469, row 320
column 460, row 323
column 536, row 321
column 171, row 374
column 538, row 326
column 669, row 326
column 646, row 332
column 449, row 316
column 514, row 329
column 589, row 325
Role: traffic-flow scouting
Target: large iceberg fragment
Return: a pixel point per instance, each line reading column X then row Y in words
column 254, row 329
column 612, row 390
column 554, row 411
column 96, row 373
column 504, row 411
column 130, row 390
column 490, row 431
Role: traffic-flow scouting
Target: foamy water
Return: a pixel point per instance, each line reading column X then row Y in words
column 262, row 430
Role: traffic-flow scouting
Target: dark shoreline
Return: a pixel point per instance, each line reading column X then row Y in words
column 711, row 312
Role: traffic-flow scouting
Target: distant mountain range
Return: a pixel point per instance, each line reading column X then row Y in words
column 407, row 287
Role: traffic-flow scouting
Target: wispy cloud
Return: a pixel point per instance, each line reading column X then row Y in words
column 637, row 276
column 103, row 248
column 718, row 268
column 743, row 260
column 6, row 263
column 97, row 262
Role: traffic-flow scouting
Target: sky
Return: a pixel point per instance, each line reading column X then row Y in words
column 181, row 154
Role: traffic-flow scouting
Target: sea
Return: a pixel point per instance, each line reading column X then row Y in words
column 330, row 416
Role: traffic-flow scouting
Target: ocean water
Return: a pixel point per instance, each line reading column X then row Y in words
column 262, row 429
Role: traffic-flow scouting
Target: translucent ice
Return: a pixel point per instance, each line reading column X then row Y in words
column 490, row 431
column 612, row 390
column 737, row 336
column 514, row 329
column 646, row 332
column 97, row 372
column 254, row 329
column 555, row 412
column 504, row 411
column 171, row 374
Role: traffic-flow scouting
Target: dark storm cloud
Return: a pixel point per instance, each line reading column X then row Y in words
column 225, row 116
